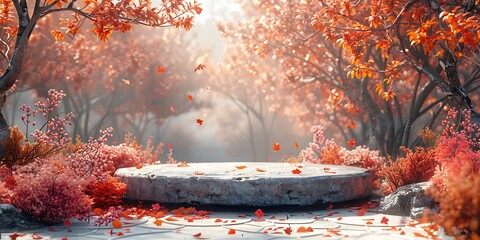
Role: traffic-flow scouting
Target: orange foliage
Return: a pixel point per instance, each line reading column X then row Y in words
column 105, row 193
column 417, row 166
column 459, row 206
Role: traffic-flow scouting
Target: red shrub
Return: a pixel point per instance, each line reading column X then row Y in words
column 107, row 192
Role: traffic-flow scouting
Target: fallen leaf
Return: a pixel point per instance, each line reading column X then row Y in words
column 242, row 216
column 159, row 215
column 218, row 220
column 241, row 167
column 199, row 173
column 260, row 170
column 369, row 222
column 416, row 234
column 116, row 223
column 231, row 231
column 14, row 236
column 296, row 171
column 334, row 231
column 331, row 213
column 139, row 166
column 120, row 234
column 339, row 218
column 36, row 236
column 259, row 213
column 288, row 230
column 384, row 220
column 171, row 219
column 199, row 121
column 303, row 229
column 197, row 235
column 67, row 222
column 276, row 147
column 361, row 213
column 160, row 69
column 183, row 164
column 52, row 229
column 158, row 222
column 200, row 67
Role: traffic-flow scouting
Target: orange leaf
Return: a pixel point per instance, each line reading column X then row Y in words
column 259, row 213
column 158, row 222
column 160, row 69
column 97, row 211
column 416, row 234
column 190, row 98
column 218, row 220
column 116, row 223
column 288, row 230
column 197, row 235
column 159, row 215
column 171, row 219
column 339, row 218
column 200, row 67
column 14, row 236
column 276, row 147
column 369, row 222
column 231, row 231
column 199, row 173
column 199, row 121
column 296, row 145
column 139, row 166
column 303, row 229
column 334, row 231
column 58, row 35
column 296, row 171
column 260, row 170
column 241, row 167
column 183, row 164
column 361, row 212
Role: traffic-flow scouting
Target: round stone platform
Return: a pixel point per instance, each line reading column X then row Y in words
column 246, row 183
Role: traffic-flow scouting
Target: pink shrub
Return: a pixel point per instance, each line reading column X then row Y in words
column 328, row 152
column 49, row 191
column 5, row 194
column 457, row 152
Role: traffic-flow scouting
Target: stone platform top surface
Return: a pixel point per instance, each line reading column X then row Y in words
column 246, row 183
column 243, row 170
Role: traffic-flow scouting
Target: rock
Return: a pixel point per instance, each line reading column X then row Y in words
column 409, row 200
column 258, row 184
column 11, row 219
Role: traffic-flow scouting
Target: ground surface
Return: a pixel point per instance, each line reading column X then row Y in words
column 344, row 223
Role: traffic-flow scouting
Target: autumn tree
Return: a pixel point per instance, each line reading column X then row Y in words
column 20, row 17
column 373, row 69
column 129, row 88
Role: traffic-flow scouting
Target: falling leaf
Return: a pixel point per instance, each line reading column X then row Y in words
column 120, row 234
column 260, row 170
column 158, row 222
column 334, row 231
column 190, row 98
column 259, row 213
column 160, row 69
column 197, row 235
column 384, row 220
column 200, row 67
column 126, row 81
column 351, row 143
column 199, row 173
column 330, row 206
column 288, row 230
column 199, row 121
column 241, row 167
column 231, row 231
column 67, row 222
column 139, row 166
column 172, row 109
column 276, row 147
column 296, row 145
column 116, row 223
column 296, row 171
column 58, row 35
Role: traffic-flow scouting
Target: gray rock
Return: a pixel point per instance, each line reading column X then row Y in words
column 224, row 184
column 11, row 219
column 409, row 200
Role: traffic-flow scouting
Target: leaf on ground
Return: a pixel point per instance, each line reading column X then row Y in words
column 158, row 222
column 296, row 171
column 259, row 213
column 116, row 223
column 231, row 231
column 241, row 167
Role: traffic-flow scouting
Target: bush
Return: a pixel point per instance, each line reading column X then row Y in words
column 105, row 193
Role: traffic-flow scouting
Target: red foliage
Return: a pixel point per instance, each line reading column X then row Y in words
column 108, row 192
column 5, row 194
column 418, row 166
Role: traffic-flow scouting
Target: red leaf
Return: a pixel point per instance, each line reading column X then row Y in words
column 190, row 98
column 14, row 236
column 139, row 166
column 218, row 220
column 231, row 231
column 259, row 213
column 351, row 143
column 160, row 69
column 120, row 234
column 296, row 145
column 288, row 230
column 296, row 171
column 384, row 220
column 260, row 170
column 330, row 206
column 276, row 147
column 200, row 67
column 172, row 109
column 67, row 223
column 197, row 235
column 199, row 121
